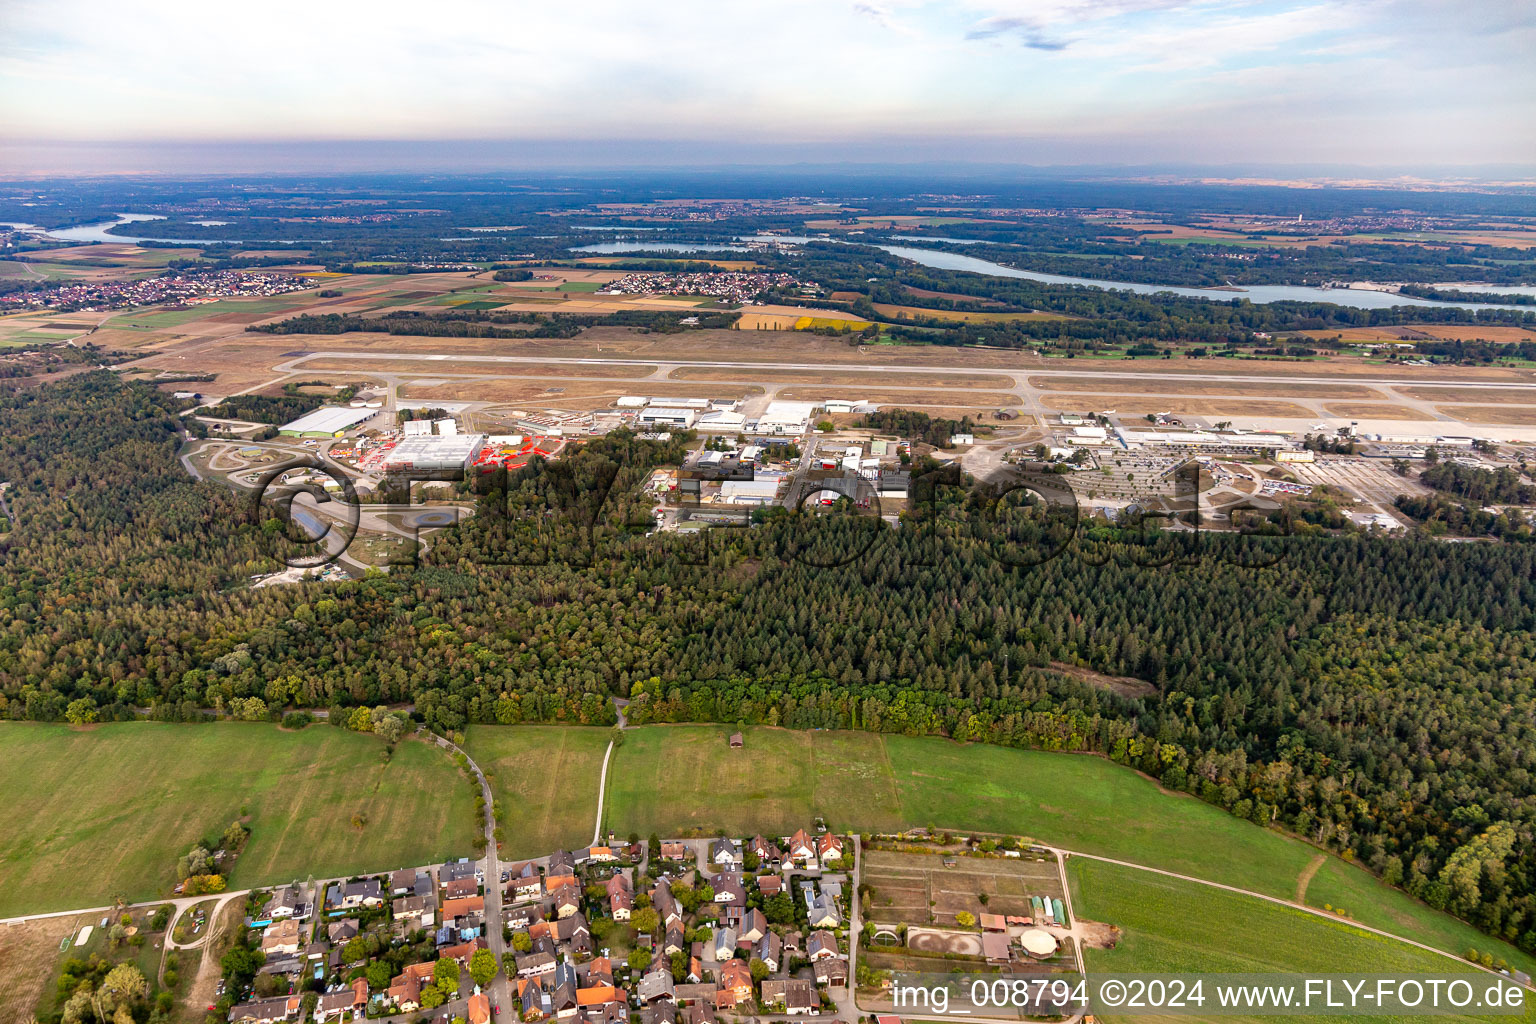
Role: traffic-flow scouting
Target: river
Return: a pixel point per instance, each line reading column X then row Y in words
column 1257, row 293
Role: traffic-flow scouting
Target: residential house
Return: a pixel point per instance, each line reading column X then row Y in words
column 462, row 952
column 567, row 900
column 768, row 853
column 829, row 846
column 403, row 882
column 659, row 1013
column 592, row 1000
column 404, row 993
column 770, row 885
column 533, row 965
column 287, row 901
column 802, row 849
column 281, row 937
column 675, row 940
column 535, row 999
column 460, row 888
column 600, row 971
column 455, row 870
column 563, row 995
column 561, row 862
column 728, row 889
column 526, row 883
column 341, row 931
column 353, row 1000
column 655, row 986
column 479, row 1009
column 831, row 971
column 266, row 1011
column 351, row 895
column 601, row 854
column 695, row 992
column 573, row 931
column 753, row 925
column 697, row 1013
column 822, row 944
column 415, row 911
column 769, row 950
column 792, row 996
column 722, row 853
column 673, row 850
column 519, row 916
column 665, row 903
column 464, row 912
column 734, row 984
column 725, row 944
column 621, row 898
column 614, row 1012
column 820, row 908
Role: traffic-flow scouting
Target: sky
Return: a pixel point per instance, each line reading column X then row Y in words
column 1372, row 83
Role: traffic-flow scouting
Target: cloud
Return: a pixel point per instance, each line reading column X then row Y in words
column 1030, row 33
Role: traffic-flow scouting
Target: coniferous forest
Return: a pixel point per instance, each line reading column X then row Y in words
column 1372, row 695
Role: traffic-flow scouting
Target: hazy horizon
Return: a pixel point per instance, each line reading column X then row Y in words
column 170, row 86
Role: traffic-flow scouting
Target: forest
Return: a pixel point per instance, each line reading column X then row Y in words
column 1501, row 486
column 1373, row 695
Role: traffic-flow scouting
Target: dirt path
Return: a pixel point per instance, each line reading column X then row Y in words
column 202, row 990
column 1305, row 878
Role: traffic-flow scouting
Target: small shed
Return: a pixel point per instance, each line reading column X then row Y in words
column 736, row 740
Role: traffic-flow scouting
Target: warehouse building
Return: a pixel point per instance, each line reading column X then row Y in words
column 786, row 417
column 668, row 415
column 434, row 453
column 329, row 421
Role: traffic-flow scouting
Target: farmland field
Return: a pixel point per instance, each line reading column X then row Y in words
column 545, row 778
column 126, row 800
column 1169, row 925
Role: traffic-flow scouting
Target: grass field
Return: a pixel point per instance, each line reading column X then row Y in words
column 1174, row 926
column 670, row 778
column 545, row 777
column 108, row 810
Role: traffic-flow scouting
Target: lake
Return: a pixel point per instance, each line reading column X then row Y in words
column 611, row 247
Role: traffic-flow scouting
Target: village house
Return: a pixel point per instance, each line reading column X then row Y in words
column 467, row 911
column 266, row 1011
column 353, row 1000
column 281, row 937
column 722, row 852
column 725, row 944
column 728, row 889
column 769, row 950
column 455, row 870
column 409, row 882
column 526, row 882
column 532, row 965
column 415, row 911
column 535, row 998
column 832, row 971
column 675, row 941
column 820, row 946
column 404, row 993
column 342, row 931
column 655, row 986
column 770, row 885
column 791, row 996
column 287, row 901
column 802, row 849
column 567, row 900
column 673, row 850
column 620, row 899
column 665, row 904
column 829, row 846
column 768, row 854
column 601, row 854
column 460, row 888
column 734, row 984
column 351, row 895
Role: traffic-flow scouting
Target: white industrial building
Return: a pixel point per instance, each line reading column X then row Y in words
column 669, row 415
column 761, row 491
column 446, row 427
column 732, row 422
column 433, row 453
column 415, row 428
column 842, row 404
column 328, row 421
column 786, row 417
